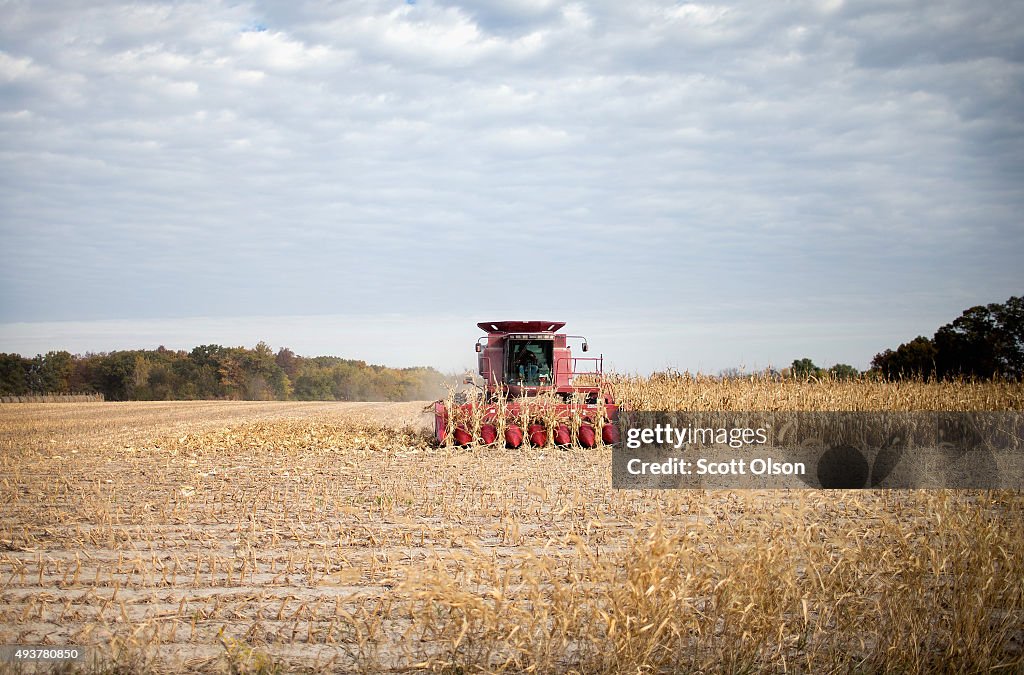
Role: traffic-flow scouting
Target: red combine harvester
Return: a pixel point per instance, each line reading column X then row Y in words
column 521, row 361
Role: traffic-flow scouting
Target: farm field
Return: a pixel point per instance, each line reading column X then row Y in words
column 254, row 537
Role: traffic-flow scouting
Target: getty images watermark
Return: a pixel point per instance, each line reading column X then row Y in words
column 677, row 438
column 662, row 450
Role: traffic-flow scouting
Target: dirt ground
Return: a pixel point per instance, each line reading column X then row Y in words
column 149, row 523
column 173, row 532
column 238, row 536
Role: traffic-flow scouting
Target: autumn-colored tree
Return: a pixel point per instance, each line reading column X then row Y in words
column 215, row 372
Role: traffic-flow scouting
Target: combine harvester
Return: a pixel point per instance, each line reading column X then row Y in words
column 530, row 379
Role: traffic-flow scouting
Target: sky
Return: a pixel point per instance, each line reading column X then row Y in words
column 691, row 186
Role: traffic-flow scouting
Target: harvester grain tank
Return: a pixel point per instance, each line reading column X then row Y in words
column 530, row 361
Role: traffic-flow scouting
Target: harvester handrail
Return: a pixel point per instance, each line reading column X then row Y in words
column 598, row 360
column 485, row 367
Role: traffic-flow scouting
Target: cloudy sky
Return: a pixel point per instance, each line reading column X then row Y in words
column 691, row 185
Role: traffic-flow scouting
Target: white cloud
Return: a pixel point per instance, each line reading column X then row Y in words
column 275, row 51
column 13, row 68
column 531, row 140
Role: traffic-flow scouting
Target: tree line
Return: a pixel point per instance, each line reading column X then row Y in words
column 986, row 341
column 215, row 372
column 805, row 368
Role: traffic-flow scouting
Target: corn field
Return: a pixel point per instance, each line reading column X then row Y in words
column 52, row 398
column 270, row 537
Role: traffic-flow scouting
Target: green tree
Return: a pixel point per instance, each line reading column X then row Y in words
column 116, row 376
column 911, row 359
column 264, row 380
column 804, row 368
column 843, row 371
column 56, row 372
column 205, row 369
column 50, row 374
column 85, row 373
column 314, row 384
column 984, row 341
column 14, row 375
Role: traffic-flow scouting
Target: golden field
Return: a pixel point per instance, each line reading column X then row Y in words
column 263, row 537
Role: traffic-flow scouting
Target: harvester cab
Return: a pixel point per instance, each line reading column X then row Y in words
column 531, row 380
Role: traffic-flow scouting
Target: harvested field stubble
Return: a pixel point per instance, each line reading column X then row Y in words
column 318, row 538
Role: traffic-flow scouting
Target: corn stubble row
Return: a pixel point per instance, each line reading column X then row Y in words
column 331, row 544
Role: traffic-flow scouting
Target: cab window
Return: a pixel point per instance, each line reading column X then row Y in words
column 529, row 363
